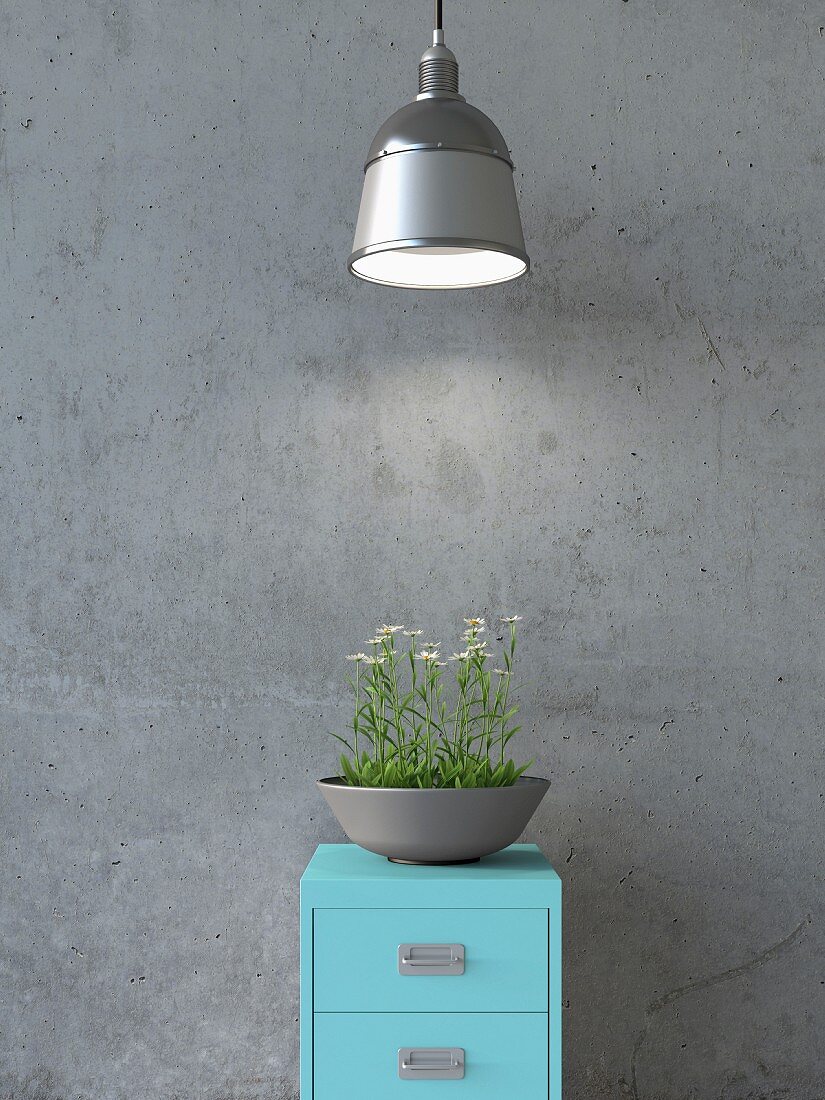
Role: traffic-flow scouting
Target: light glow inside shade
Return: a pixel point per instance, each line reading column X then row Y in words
column 438, row 268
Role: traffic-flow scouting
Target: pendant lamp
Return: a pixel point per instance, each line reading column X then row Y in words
column 438, row 209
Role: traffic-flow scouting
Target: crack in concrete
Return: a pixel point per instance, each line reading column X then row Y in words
column 712, row 350
column 656, row 1005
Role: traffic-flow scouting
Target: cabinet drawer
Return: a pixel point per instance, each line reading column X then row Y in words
column 356, row 960
column 356, row 1055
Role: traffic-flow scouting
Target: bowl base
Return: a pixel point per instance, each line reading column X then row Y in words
column 433, row 862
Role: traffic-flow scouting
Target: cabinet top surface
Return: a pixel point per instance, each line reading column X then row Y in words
column 346, row 862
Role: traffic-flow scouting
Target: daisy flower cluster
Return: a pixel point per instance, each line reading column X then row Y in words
column 411, row 727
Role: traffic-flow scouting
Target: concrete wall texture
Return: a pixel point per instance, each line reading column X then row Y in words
column 223, row 460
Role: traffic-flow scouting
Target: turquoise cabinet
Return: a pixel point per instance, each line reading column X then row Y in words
column 430, row 983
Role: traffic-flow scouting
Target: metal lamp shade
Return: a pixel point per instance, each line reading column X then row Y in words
column 438, row 208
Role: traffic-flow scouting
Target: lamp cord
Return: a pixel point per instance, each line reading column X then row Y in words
column 437, row 20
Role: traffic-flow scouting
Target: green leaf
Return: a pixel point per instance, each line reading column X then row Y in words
column 349, row 772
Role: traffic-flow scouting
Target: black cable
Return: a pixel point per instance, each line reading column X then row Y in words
column 438, row 25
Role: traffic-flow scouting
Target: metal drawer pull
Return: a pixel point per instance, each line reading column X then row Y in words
column 431, row 1063
column 431, row 958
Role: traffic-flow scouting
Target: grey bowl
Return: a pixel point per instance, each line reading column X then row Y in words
column 434, row 826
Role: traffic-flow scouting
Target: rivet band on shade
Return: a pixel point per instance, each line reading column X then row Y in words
column 440, row 145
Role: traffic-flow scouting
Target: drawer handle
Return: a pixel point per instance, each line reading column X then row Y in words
column 430, row 958
column 431, row 1063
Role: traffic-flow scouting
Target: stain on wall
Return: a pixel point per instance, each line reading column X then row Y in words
column 223, row 460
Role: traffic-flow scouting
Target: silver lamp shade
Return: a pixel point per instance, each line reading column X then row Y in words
column 438, row 208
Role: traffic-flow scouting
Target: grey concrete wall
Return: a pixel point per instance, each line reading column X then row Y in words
column 222, row 460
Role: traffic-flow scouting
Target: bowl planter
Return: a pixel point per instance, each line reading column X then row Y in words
column 427, row 776
column 434, row 825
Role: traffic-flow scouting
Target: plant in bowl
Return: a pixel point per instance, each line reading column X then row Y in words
column 427, row 776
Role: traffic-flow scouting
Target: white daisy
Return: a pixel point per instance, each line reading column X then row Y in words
column 474, row 623
column 511, row 619
column 412, row 633
column 357, row 657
